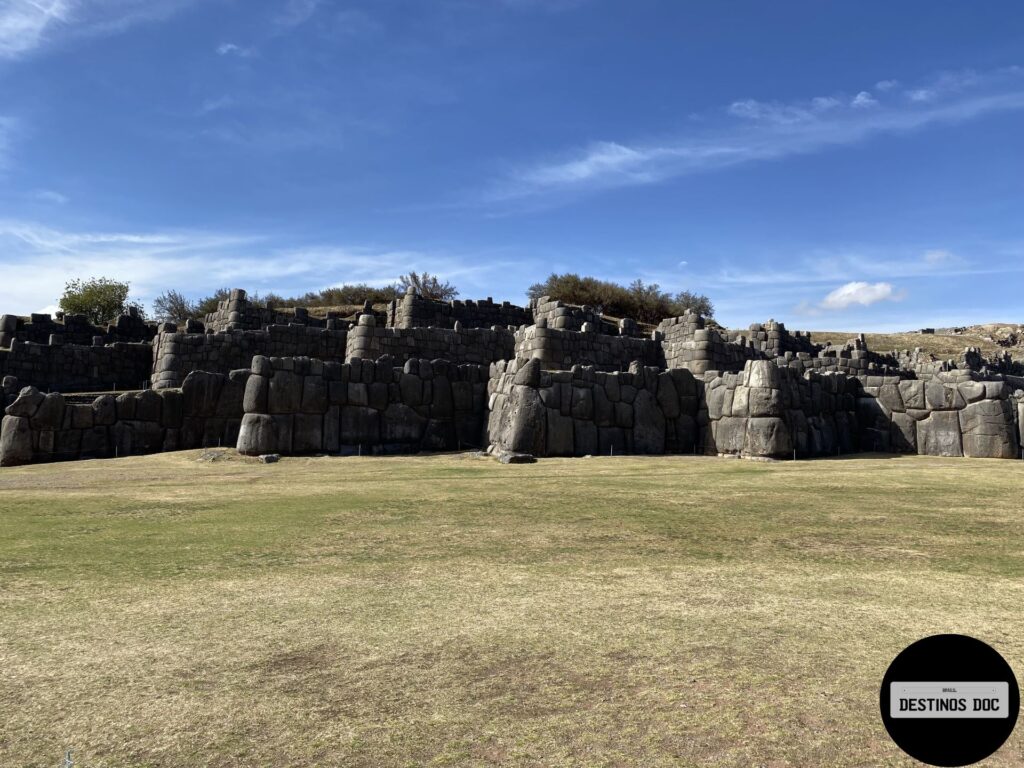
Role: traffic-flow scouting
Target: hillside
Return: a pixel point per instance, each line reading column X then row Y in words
column 944, row 343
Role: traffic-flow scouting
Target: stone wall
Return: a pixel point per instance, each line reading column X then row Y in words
column 298, row 405
column 560, row 350
column 238, row 313
column 590, row 412
column 767, row 411
column 206, row 411
column 571, row 317
column 76, row 368
column 75, row 329
column 478, row 346
column 176, row 354
column 952, row 414
column 689, row 342
column 415, row 311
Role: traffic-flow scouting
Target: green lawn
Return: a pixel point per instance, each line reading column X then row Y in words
column 448, row 610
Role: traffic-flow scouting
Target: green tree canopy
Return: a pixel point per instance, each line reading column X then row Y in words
column 100, row 299
column 645, row 302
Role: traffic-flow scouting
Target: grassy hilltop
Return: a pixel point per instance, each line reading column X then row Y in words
column 943, row 345
column 447, row 610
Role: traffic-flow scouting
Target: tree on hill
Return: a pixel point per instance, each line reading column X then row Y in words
column 100, row 299
column 427, row 285
column 645, row 302
column 173, row 307
column 208, row 304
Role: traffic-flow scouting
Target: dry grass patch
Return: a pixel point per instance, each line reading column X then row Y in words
column 447, row 610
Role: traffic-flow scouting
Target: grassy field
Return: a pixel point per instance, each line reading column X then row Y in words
column 448, row 610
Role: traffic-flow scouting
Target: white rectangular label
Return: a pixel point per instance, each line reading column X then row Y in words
column 949, row 700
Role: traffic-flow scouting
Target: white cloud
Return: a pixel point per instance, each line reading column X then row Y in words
column 39, row 260
column 864, row 294
column 50, row 196
column 231, row 49
column 27, row 25
column 886, row 85
column 822, row 103
column 940, row 258
column 863, row 99
column 759, row 130
column 921, row 94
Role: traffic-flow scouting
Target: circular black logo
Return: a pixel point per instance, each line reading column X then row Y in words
column 949, row 700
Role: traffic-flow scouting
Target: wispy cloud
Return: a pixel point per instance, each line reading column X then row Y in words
column 233, row 49
column 38, row 260
column 752, row 130
column 27, row 25
column 7, row 126
column 297, row 12
column 50, row 196
column 23, row 24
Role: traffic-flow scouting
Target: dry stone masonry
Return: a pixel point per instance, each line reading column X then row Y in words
column 415, row 311
column 299, row 405
column 545, row 380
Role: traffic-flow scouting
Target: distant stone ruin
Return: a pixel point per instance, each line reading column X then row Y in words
column 549, row 379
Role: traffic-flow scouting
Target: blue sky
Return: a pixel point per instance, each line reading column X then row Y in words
column 833, row 165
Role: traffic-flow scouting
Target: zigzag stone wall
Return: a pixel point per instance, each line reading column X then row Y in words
column 298, row 405
column 206, row 411
column 176, row 354
column 478, row 346
column 415, row 311
column 238, row 313
column 75, row 329
column 560, row 349
column 767, row 411
column 74, row 368
column 588, row 412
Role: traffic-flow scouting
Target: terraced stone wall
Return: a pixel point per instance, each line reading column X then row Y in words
column 176, row 354
column 298, row 405
column 59, row 367
column 561, row 349
column 205, row 412
column 415, row 311
column 585, row 411
column 476, row 346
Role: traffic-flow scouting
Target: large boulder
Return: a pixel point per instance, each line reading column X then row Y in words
column 401, row 424
column 15, row 441
column 767, row 437
column 560, row 434
column 285, row 393
column 257, row 435
column 257, row 389
column 939, row 435
column 727, row 435
column 527, row 423
column 200, row 391
column 584, row 438
column 50, row 414
column 359, row 425
column 28, row 402
column 988, row 430
column 308, row 432
column 648, row 424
